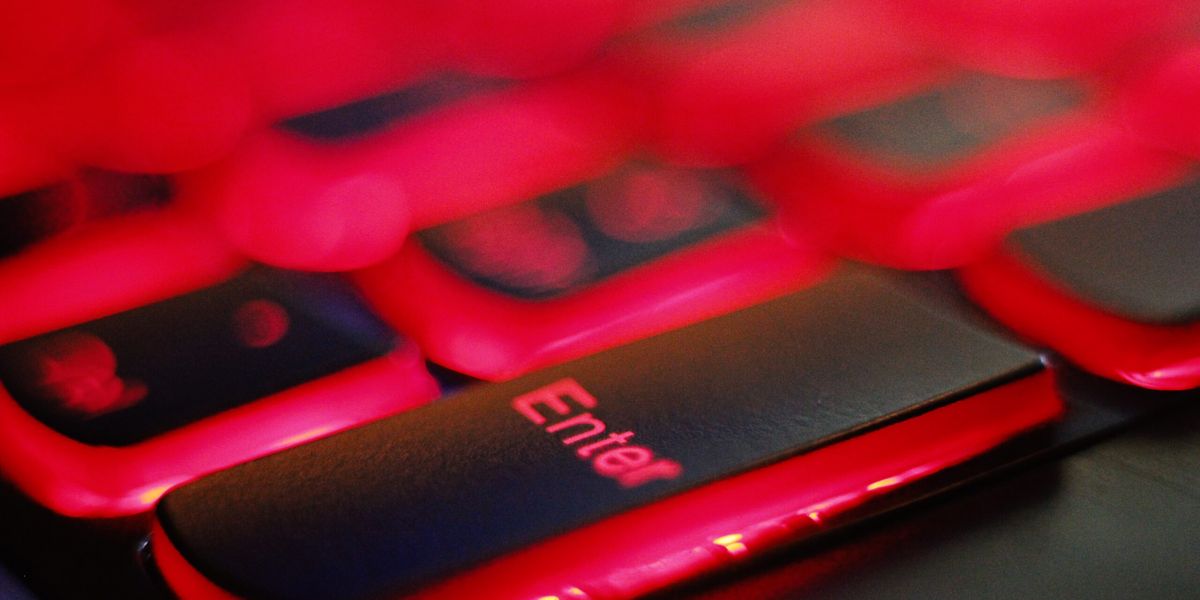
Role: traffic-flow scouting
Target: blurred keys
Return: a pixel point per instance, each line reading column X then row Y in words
column 102, row 416
column 740, row 433
column 1040, row 39
column 573, row 238
column 1116, row 291
column 40, row 214
column 643, row 249
column 337, row 205
column 937, row 178
column 180, row 91
column 43, row 41
column 1160, row 105
column 731, row 80
column 179, row 86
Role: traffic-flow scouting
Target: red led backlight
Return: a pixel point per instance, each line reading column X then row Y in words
column 1161, row 357
column 648, row 548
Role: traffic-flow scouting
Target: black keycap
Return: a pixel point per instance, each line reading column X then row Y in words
column 125, row 378
column 400, row 503
column 1140, row 260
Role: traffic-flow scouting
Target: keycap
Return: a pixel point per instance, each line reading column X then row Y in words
column 1115, row 290
column 37, row 215
column 303, row 203
column 1156, row 105
column 43, row 41
column 182, row 86
column 621, row 472
column 936, row 179
column 644, row 248
column 108, row 267
column 102, row 417
column 1046, row 39
column 528, row 38
column 11, row 587
column 729, row 80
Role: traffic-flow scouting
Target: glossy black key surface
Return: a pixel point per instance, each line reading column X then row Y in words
column 399, row 503
column 1140, row 260
column 377, row 113
column 11, row 588
column 567, row 240
column 952, row 122
column 124, row 378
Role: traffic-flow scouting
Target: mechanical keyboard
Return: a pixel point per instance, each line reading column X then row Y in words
column 591, row 299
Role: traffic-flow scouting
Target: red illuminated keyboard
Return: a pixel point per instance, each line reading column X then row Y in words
column 576, row 300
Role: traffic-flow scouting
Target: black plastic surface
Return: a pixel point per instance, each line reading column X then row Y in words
column 399, row 503
column 1140, row 260
column 122, row 379
column 952, row 122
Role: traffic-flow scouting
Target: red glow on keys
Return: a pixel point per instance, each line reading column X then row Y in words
column 1161, row 107
column 648, row 548
column 521, row 245
column 40, row 41
column 78, row 372
column 112, row 266
column 1158, row 357
column 526, row 38
column 260, row 323
column 870, row 196
column 292, row 205
column 324, row 206
column 1037, row 39
column 77, row 479
column 649, row 204
column 154, row 105
column 729, row 94
column 493, row 336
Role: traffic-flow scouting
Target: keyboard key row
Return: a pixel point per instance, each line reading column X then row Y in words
column 172, row 92
column 512, row 465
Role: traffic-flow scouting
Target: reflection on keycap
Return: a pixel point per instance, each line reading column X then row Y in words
column 641, row 204
column 717, row 16
column 563, row 241
column 952, row 122
column 260, row 323
column 77, row 373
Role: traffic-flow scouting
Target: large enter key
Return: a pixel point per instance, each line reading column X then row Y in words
column 621, row 472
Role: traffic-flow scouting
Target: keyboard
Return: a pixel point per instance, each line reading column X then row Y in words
column 598, row 299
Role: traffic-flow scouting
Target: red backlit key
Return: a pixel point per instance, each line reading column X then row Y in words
column 937, row 178
column 102, row 417
column 139, row 358
column 643, row 249
column 183, row 91
column 729, row 81
column 115, row 265
column 39, row 214
column 1116, row 291
column 1043, row 39
column 149, row 105
column 43, row 41
column 1160, row 107
column 526, row 38
column 615, row 475
column 338, row 205
column 183, row 84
